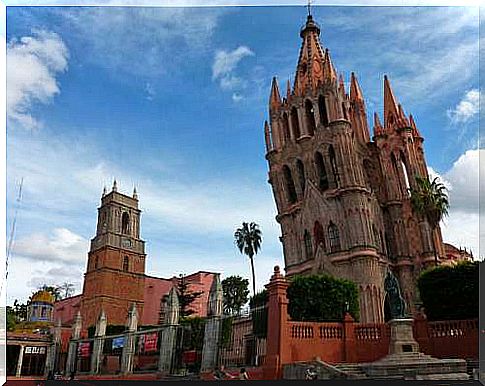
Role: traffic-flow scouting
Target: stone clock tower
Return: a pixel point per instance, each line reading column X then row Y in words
column 115, row 274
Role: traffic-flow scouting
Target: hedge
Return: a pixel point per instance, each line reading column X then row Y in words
column 322, row 298
column 450, row 292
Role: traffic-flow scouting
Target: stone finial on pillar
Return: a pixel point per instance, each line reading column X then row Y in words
column 115, row 186
column 98, row 342
column 172, row 308
column 132, row 321
column 77, row 326
column 212, row 326
column 215, row 297
column 101, row 324
column 129, row 347
column 135, row 193
column 104, row 191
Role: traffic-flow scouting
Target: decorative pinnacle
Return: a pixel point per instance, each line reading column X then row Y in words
column 115, row 186
column 104, row 191
column 135, row 193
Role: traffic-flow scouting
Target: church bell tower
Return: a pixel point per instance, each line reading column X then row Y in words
column 115, row 273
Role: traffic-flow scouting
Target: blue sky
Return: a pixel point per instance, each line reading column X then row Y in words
column 173, row 100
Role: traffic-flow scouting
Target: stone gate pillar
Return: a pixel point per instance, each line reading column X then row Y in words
column 169, row 332
column 53, row 350
column 72, row 352
column 129, row 346
column 277, row 349
column 212, row 327
column 98, row 343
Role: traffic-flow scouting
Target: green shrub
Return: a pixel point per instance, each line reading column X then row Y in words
column 450, row 292
column 322, row 298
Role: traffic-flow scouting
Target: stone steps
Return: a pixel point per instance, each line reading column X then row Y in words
column 353, row 371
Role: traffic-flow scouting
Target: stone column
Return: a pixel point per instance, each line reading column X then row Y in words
column 129, row 347
column 212, row 327
column 72, row 352
column 98, row 343
column 349, row 339
column 169, row 331
column 277, row 352
column 54, row 349
column 18, row 373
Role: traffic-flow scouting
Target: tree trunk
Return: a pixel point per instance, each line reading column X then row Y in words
column 434, row 246
column 254, row 276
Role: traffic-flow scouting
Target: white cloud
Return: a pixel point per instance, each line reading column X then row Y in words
column 33, row 62
column 236, row 97
column 61, row 245
column 466, row 109
column 149, row 91
column 225, row 63
column 464, row 181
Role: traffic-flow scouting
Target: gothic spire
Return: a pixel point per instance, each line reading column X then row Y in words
column 309, row 71
column 414, row 128
column 329, row 72
column 115, row 186
column 135, row 193
column 355, row 91
column 378, row 129
column 390, row 105
column 275, row 98
column 104, row 191
column 288, row 89
column 341, row 86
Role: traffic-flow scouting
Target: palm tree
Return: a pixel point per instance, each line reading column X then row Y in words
column 248, row 240
column 430, row 200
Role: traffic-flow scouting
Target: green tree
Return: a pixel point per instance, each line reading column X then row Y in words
column 53, row 290
column 248, row 239
column 11, row 319
column 66, row 289
column 430, row 201
column 186, row 296
column 20, row 310
column 235, row 291
column 322, row 298
column 450, row 292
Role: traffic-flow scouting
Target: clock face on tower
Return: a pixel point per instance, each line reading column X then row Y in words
column 126, row 243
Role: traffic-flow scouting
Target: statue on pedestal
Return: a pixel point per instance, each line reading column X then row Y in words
column 396, row 303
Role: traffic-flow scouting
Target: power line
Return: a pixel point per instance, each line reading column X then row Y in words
column 12, row 232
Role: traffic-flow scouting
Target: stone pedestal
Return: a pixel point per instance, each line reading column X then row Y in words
column 405, row 361
column 402, row 339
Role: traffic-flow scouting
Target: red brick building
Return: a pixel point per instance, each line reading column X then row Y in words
column 115, row 275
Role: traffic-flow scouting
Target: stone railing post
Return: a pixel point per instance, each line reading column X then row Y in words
column 169, row 332
column 212, row 327
column 129, row 346
column 72, row 351
column 98, row 343
column 421, row 332
column 277, row 348
column 349, row 339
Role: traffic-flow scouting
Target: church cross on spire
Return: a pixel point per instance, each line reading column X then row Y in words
column 309, row 7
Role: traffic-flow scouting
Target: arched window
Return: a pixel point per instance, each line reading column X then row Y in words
column 322, row 107
column 295, row 123
column 334, row 237
column 125, row 223
column 318, row 234
column 308, row 245
column 301, row 174
column 333, row 163
column 405, row 171
column 290, row 185
column 126, row 264
column 286, row 128
column 321, row 172
column 310, row 117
